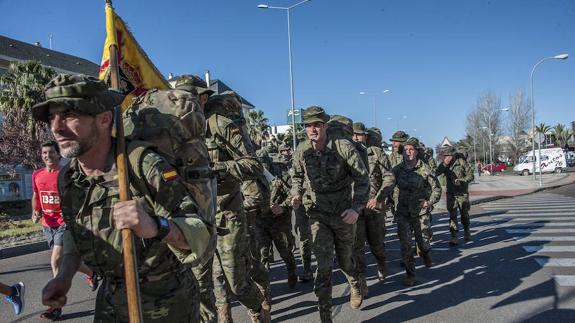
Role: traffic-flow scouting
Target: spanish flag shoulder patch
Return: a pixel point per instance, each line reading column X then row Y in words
column 169, row 174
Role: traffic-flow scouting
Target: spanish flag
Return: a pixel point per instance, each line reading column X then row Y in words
column 137, row 73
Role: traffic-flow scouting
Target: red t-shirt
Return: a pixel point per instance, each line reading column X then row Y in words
column 45, row 186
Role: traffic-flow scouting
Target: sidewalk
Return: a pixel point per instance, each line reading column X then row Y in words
column 489, row 188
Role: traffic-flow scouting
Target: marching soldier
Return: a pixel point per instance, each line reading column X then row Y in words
column 331, row 167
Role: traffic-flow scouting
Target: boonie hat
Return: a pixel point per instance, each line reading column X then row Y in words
column 193, row 84
column 80, row 93
column 399, row 136
column 359, row 128
column 315, row 114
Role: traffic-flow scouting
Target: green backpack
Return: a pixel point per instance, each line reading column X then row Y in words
column 172, row 122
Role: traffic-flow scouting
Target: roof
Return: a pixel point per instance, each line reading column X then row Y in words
column 15, row 50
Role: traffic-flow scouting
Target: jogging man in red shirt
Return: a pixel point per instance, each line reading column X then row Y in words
column 46, row 206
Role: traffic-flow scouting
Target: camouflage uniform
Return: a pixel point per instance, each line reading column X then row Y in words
column 457, row 193
column 233, row 161
column 338, row 180
column 414, row 185
column 167, row 287
column 396, row 158
column 278, row 228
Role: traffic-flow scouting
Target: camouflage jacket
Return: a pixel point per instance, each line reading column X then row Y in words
column 256, row 194
column 233, row 159
column 459, row 169
column 87, row 206
column 413, row 186
column 280, row 192
column 329, row 175
column 395, row 159
column 378, row 167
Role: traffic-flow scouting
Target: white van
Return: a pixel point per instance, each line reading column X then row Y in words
column 552, row 160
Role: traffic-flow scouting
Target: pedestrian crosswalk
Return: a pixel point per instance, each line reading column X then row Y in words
column 544, row 225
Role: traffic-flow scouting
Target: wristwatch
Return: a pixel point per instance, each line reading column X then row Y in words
column 163, row 227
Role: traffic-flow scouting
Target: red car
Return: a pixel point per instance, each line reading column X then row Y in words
column 498, row 167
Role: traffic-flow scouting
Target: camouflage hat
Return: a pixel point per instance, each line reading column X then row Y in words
column 80, row 93
column 412, row 141
column 193, row 84
column 315, row 114
column 342, row 122
column 399, row 136
column 359, row 128
column 448, row 150
column 374, row 137
column 283, row 147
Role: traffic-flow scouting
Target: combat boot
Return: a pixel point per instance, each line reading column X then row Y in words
column 427, row 259
column 467, row 235
column 356, row 296
column 453, row 241
column 409, row 280
column 307, row 276
column 381, row 272
column 225, row 314
column 364, row 289
column 292, row 278
column 325, row 316
column 263, row 316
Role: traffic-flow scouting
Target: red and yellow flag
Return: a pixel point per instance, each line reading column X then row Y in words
column 137, row 73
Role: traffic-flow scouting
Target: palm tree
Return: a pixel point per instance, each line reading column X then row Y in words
column 20, row 88
column 258, row 127
column 542, row 128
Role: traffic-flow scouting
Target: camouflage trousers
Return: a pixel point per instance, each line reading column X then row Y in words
column 276, row 230
column 203, row 273
column 409, row 227
column 370, row 226
column 329, row 234
column 303, row 231
column 180, row 302
column 233, row 269
column 455, row 202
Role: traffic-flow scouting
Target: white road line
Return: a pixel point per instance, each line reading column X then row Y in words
column 562, row 219
column 544, row 239
column 565, row 280
column 539, row 225
column 540, row 249
column 556, row 262
column 534, row 214
column 523, row 231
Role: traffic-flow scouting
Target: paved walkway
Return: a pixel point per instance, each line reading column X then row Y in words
column 488, row 188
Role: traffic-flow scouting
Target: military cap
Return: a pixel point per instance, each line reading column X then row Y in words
column 193, row 84
column 80, row 93
column 448, row 150
column 399, row 136
column 429, row 151
column 315, row 114
column 412, row 141
column 359, row 128
column 283, row 147
column 341, row 122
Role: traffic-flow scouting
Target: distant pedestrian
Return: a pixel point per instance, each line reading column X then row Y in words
column 479, row 168
column 46, row 206
column 14, row 295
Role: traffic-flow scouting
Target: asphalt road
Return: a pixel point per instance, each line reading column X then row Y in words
column 519, row 267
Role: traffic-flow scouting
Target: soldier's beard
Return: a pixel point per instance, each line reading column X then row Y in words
column 79, row 146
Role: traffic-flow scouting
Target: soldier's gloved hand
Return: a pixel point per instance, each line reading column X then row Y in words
column 54, row 293
column 277, row 210
column 372, row 204
column 349, row 216
column 296, row 201
column 131, row 215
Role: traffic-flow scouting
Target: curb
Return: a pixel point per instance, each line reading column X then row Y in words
column 23, row 249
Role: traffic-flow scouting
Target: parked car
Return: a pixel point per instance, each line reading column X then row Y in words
column 552, row 160
column 571, row 162
column 496, row 167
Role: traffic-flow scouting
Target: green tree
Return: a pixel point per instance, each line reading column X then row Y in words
column 562, row 135
column 20, row 136
column 543, row 129
column 258, row 127
column 300, row 135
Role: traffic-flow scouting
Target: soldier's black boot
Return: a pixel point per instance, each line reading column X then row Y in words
column 467, row 235
column 325, row 316
column 427, row 259
column 453, row 241
column 381, row 272
column 409, row 280
column 292, row 277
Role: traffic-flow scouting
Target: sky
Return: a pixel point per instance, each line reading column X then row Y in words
column 436, row 57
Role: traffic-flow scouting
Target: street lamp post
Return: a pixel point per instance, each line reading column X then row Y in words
column 374, row 105
column 562, row 57
column 288, row 11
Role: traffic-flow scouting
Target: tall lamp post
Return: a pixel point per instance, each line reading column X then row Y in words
column 288, row 11
column 562, row 57
column 374, row 105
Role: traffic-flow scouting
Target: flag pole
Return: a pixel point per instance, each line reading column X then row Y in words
column 128, row 250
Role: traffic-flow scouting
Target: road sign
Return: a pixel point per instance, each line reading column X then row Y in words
column 297, row 113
